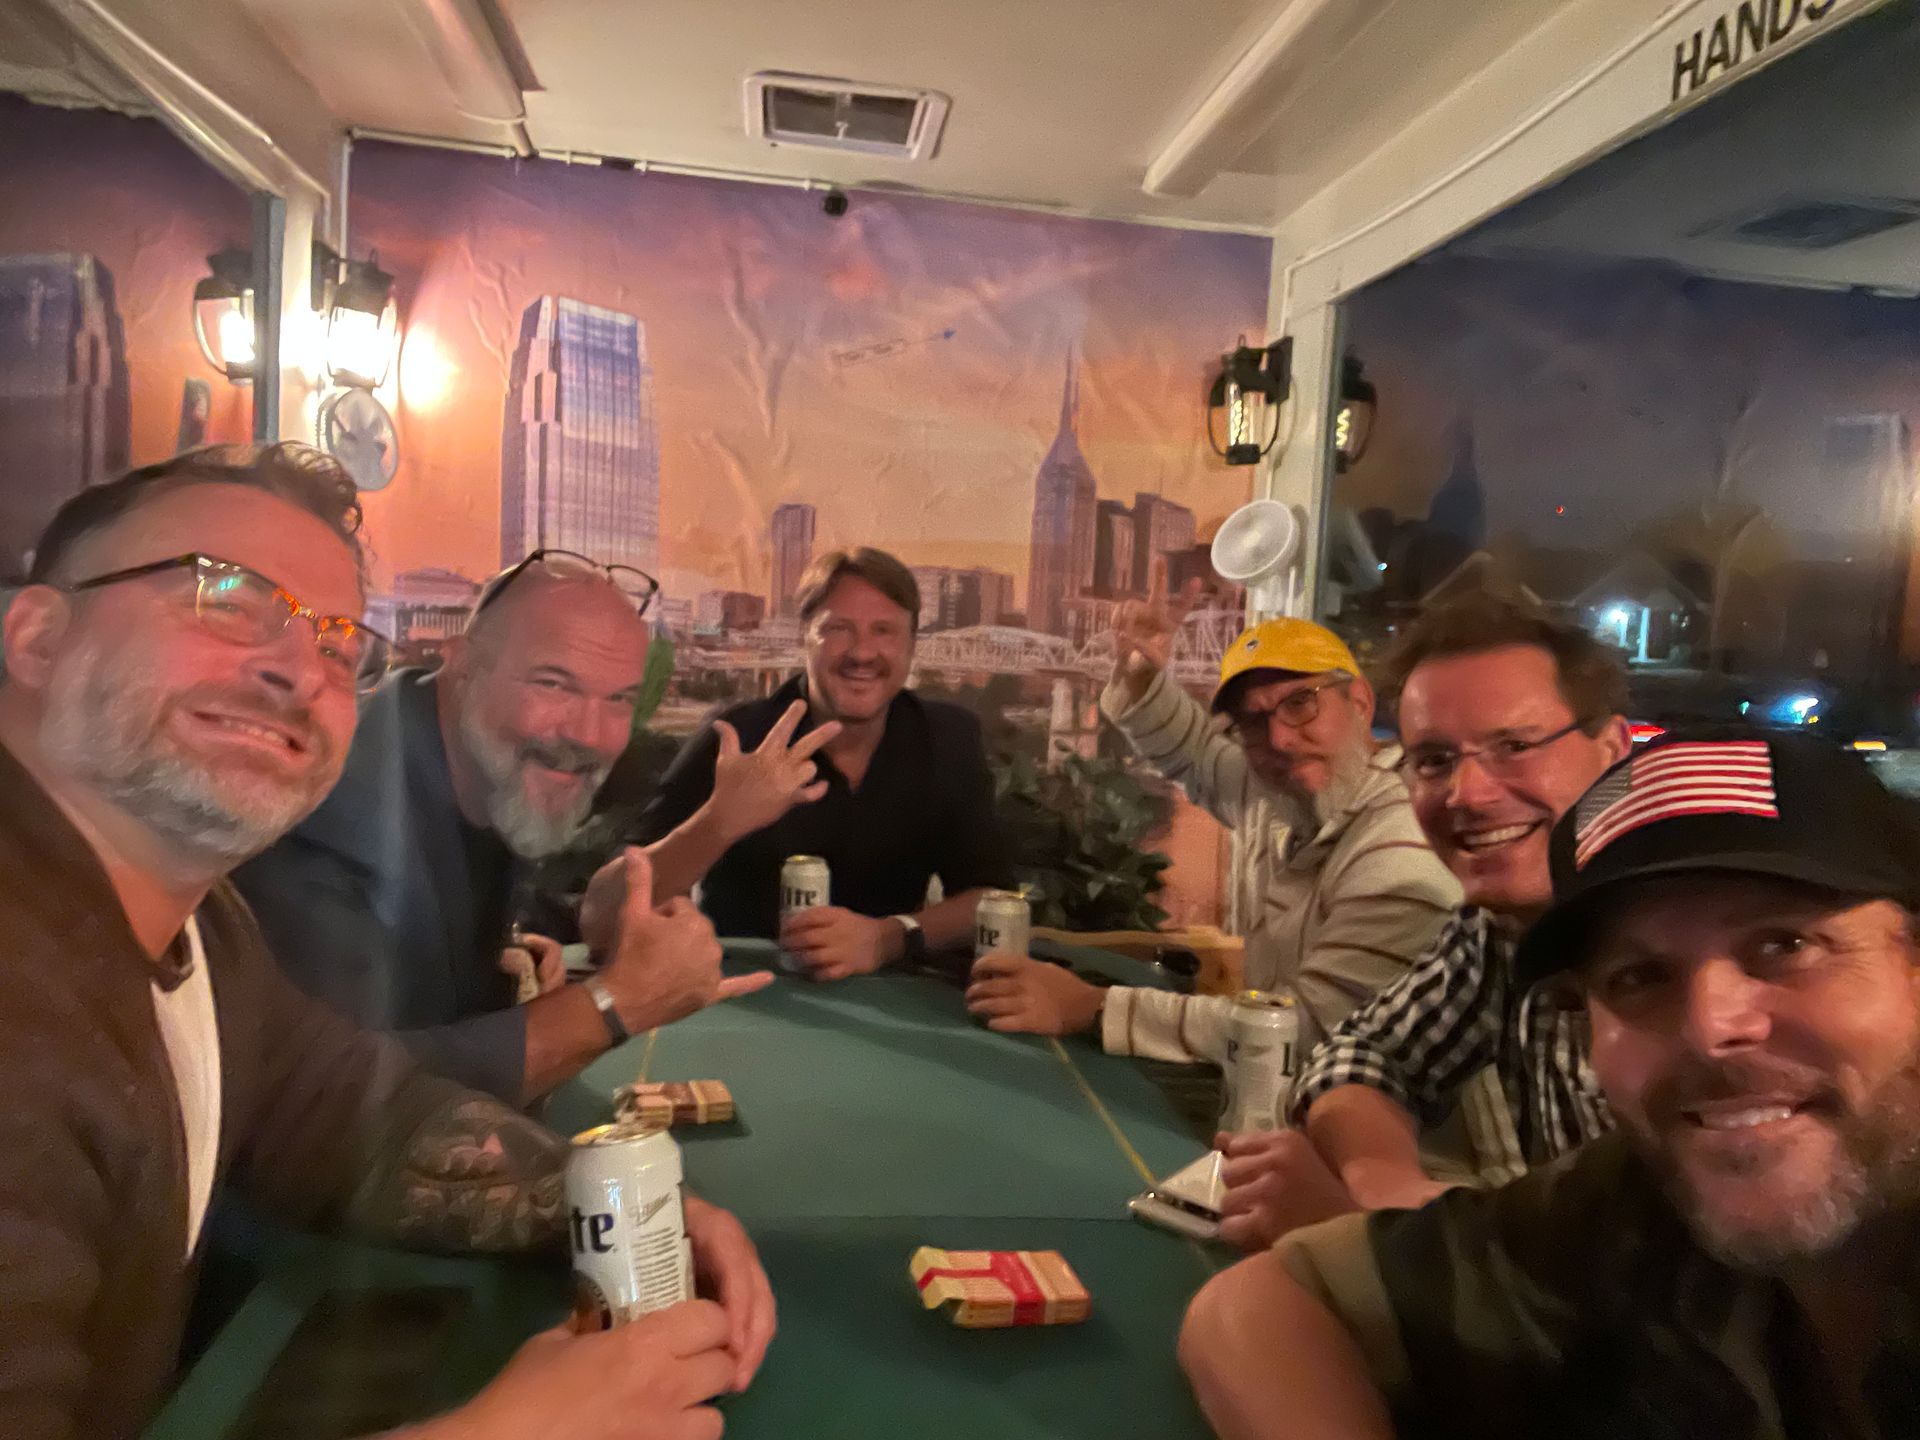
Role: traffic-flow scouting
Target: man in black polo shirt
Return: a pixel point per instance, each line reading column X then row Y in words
column 907, row 796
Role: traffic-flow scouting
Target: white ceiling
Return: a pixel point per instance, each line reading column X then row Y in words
column 1056, row 103
column 1839, row 121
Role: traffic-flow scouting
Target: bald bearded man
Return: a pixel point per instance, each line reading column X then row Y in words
column 393, row 901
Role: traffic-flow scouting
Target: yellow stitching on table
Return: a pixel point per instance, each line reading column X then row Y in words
column 1100, row 1109
column 1198, row 1250
column 646, row 1055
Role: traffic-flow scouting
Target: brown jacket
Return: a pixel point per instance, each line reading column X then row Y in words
column 93, row 1184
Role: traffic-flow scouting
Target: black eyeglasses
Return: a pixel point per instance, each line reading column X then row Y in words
column 1300, row 708
column 636, row 585
column 1504, row 759
column 246, row 608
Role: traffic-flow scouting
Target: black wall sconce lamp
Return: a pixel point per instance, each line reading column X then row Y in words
column 1252, row 385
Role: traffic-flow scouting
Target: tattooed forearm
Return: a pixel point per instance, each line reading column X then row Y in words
column 476, row 1176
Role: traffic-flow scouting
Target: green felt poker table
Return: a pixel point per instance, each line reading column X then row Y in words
column 873, row 1117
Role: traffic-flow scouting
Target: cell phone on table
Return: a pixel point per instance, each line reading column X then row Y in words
column 1187, row 1201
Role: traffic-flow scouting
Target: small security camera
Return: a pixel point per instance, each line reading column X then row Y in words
column 834, row 203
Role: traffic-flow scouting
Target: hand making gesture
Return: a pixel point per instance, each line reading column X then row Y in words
column 1143, row 632
column 754, row 788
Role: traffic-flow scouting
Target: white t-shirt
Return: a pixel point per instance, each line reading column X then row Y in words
column 192, row 1036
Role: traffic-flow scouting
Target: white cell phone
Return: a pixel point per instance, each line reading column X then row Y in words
column 1187, row 1201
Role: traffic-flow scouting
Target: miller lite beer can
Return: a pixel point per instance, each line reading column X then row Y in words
column 803, row 884
column 1263, row 1043
column 1003, row 922
column 626, row 1224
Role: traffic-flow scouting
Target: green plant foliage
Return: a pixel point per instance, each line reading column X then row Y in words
column 653, row 684
column 1077, row 834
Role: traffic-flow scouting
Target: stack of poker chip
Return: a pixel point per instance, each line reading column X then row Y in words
column 991, row 1289
column 675, row 1102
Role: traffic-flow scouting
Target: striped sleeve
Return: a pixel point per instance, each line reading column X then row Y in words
column 1420, row 1039
column 1383, row 900
column 1163, row 1025
column 1171, row 731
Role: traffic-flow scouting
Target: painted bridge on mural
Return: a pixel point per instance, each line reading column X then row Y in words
column 1199, row 643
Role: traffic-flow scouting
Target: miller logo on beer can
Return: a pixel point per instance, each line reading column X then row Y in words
column 1263, row 1040
column 803, row 884
column 1003, row 922
column 626, row 1224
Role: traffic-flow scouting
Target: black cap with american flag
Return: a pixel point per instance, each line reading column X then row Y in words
column 1793, row 806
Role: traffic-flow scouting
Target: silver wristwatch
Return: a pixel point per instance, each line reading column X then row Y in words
column 609, row 1013
column 915, row 949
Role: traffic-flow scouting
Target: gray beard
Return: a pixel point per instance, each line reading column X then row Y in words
column 1350, row 773
column 106, row 730
column 525, row 829
column 1877, row 1172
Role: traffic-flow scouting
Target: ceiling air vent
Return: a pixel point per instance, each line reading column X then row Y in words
column 842, row 115
column 1805, row 224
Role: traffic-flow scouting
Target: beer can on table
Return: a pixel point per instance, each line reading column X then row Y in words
column 1263, row 1041
column 1002, row 921
column 626, row 1224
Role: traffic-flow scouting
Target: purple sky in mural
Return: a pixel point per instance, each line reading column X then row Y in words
column 900, row 368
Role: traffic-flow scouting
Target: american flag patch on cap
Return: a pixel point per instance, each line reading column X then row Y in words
column 1689, row 777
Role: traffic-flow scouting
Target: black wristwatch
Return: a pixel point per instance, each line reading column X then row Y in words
column 609, row 1013
column 916, row 941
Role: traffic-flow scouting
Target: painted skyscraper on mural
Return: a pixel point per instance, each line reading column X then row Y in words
column 792, row 551
column 1065, row 507
column 63, row 388
column 580, row 458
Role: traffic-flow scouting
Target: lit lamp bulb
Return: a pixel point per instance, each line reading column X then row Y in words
column 223, row 315
column 236, row 336
column 361, row 327
column 360, row 346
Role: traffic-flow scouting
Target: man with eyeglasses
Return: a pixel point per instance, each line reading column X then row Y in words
column 1338, row 894
column 1506, row 716
column 179, row 689
column 1735, row 916
column 395, row 899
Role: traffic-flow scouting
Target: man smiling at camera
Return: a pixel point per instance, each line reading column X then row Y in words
column 1736, row 915
column 393, row 901
column 179, row 689
column 906, row 794
column 1506, row 715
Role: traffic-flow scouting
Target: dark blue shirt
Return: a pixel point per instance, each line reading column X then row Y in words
column 388, row 906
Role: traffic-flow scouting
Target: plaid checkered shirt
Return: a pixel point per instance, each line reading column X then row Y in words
column 1423, row 1039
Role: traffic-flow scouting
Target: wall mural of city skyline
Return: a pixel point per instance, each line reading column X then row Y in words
column 714, row 382
column 711, row 381
column 731, row 350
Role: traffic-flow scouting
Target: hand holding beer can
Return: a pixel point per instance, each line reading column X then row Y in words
column 626, row 1224
column 804, row 885
column 1263, row 1041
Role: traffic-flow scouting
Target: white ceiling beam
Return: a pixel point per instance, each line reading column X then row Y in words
column 462, row 43
column 1238, row 108
column 232, row 141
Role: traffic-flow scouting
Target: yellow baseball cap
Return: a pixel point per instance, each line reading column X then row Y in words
column 1299, row 646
